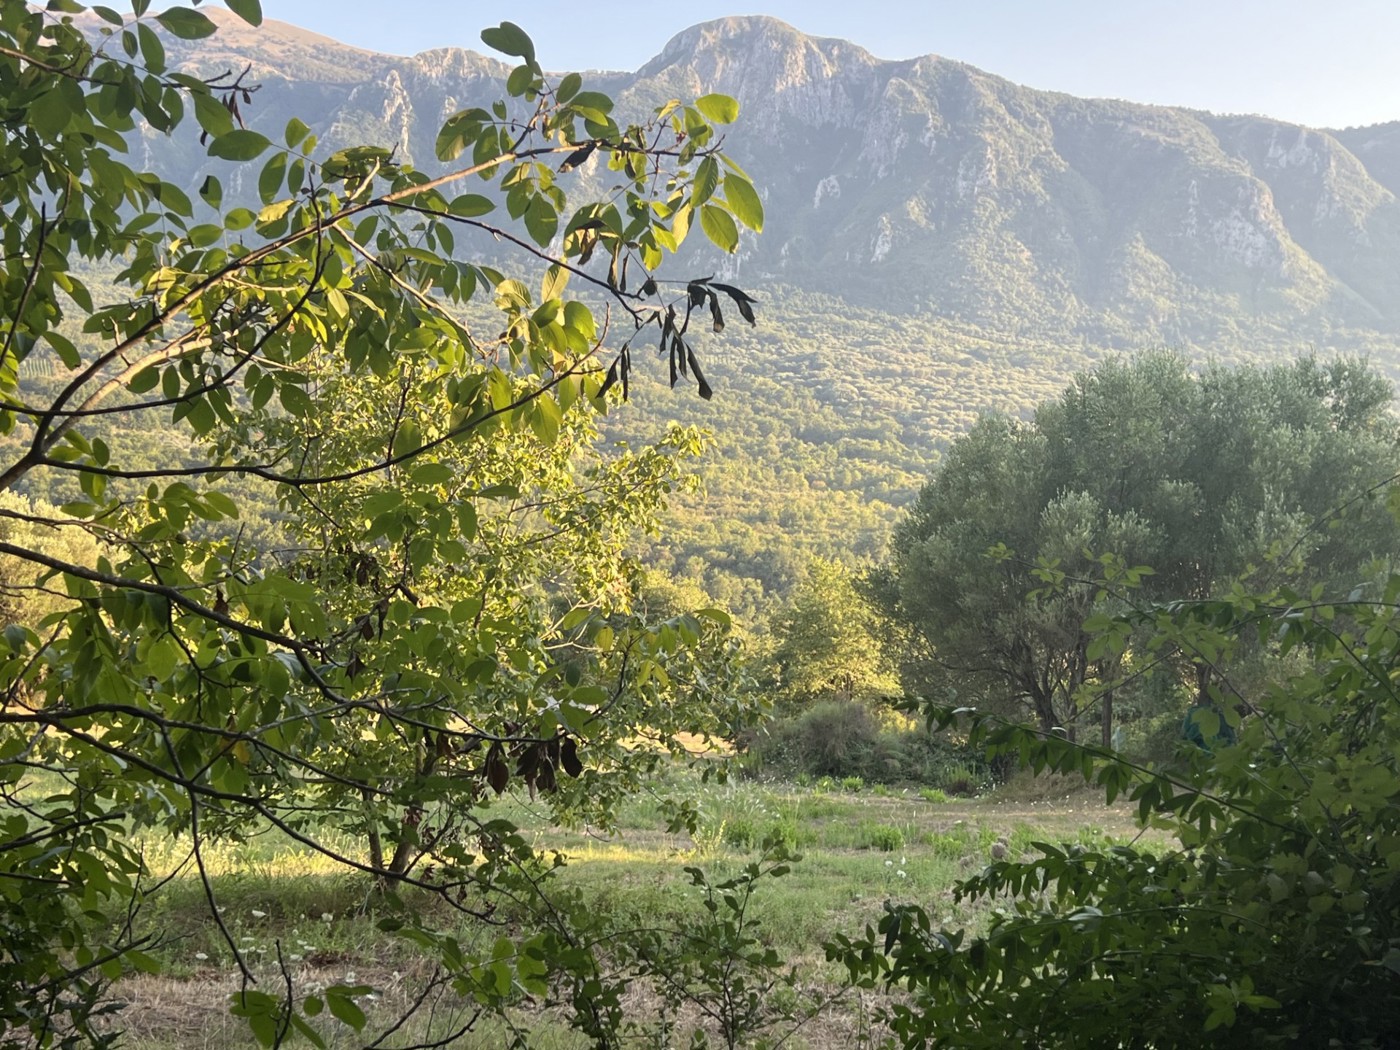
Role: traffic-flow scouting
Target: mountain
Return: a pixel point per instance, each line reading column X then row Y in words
column 939, row 242
column 927, row 184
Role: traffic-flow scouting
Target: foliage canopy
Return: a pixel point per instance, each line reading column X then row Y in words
column 449, row 612
column 1246, row 475
column 1270, row 916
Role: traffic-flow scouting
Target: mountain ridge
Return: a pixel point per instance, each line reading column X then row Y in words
column 927, row 183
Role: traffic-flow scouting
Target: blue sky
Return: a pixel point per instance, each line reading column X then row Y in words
column 1323, row 64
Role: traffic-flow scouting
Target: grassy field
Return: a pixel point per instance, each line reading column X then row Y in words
column 859, row 847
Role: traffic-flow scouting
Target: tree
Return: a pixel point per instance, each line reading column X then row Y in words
column 995, row 578
column 826, row 642
column 452, row 614
column 1206, row 479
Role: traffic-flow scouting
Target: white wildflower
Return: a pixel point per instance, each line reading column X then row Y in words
column 201, row 956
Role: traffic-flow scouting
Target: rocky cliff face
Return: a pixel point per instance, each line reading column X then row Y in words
column 930, row 185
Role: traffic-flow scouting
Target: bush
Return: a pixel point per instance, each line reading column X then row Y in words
column 835, row 740
column 1266, row 915
column 746, row 819
column 884, row 837
column 741, row 832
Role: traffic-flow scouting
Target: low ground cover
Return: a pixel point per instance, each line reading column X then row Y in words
column 298, row 921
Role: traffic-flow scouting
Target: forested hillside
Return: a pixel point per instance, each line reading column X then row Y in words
column 940, row 243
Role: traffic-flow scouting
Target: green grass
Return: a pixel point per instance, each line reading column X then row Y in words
column 858, row 849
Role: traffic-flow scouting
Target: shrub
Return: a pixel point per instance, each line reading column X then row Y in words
column 884, row 837
column 959, row 780
column 1267, row 916
column 833, row 739
column 840, row 739
column 741, row 832
column 786, row 832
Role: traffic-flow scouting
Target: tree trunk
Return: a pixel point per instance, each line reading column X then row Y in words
column 376, row 842
column 404, row 852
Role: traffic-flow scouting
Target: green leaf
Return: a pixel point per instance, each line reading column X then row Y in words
column 50, row 114
column 239, row 144
column 212, row 115
column 470, row 205
column 261, row 1012
column 294, row 399
column 555, row 279
column 568, row 88
column 545, row 419
column 239, row 219
column 519, row 81
column 212, row 192
column 458, row 132
column 512, row 295
column 162, row 657
column 273, row 212
column 466, row 520
column 509, row 39
column 144, row 380
column 340, row 1001
column 186, row 23
column 719, row 227
column 430, row 474
column 295, row 132
column 541, row 220
column 270, row 179
column 744, row 201
column 720, row 108
column 152, row 50
column 408, row 439
column 67, row 352
column 172, row 197
column 706, row 182
column 248, row 10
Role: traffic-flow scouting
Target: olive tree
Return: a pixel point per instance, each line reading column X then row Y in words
column 1231, row 476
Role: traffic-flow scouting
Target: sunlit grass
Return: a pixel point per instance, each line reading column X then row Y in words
column 859, row 849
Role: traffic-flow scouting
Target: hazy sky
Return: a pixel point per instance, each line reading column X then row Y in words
column 1321, row 63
